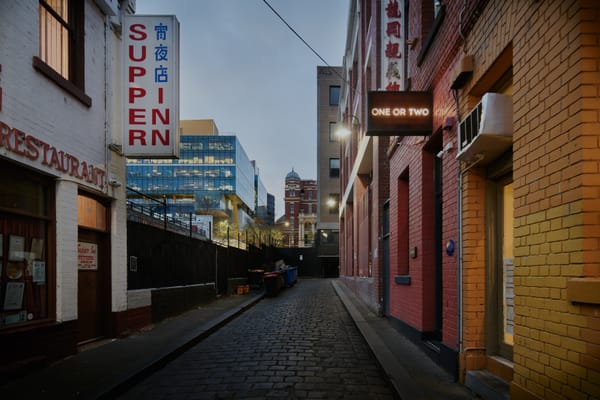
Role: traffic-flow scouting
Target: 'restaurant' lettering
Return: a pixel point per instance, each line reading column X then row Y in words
column 22, row 144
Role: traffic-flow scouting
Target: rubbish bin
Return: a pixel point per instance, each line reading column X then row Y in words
column 271, row 280
column 255, row 278
column 291, row 275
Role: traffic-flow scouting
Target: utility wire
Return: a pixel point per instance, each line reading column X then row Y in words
column 304, row 41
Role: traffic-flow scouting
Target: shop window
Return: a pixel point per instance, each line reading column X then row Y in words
column 26, row 268
column 61, row 38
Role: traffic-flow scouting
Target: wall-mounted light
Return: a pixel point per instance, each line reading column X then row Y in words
column 345, row 131
column 114, row 182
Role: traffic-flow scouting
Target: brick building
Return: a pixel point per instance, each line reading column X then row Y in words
column 363, row 164
column 300, row 217
column 493, row 215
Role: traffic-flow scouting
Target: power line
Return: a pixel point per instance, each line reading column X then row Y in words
column 304, row 41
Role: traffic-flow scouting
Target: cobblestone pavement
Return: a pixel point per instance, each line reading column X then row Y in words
column 300, row 344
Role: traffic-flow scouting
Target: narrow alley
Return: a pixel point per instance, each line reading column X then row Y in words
column 301, row 344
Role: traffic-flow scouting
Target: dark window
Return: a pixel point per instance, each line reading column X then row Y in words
column 334, row 167
column 334, row 95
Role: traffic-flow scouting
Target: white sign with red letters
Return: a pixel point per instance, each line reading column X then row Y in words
column 151, row 89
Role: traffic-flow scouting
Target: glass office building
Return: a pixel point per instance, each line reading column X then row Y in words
column 213, row 175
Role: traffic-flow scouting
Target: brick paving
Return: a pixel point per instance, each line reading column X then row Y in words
column 301, row 344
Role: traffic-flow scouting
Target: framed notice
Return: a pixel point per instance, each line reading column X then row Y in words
column 37, row 248
column 39, row 272
column 16, row 248
column 87, row 256
column 13, row 298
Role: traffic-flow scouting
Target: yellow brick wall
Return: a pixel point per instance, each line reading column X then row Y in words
column 556, row 172
column 557, row 184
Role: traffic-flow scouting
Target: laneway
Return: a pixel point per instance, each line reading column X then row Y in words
column 301, row 344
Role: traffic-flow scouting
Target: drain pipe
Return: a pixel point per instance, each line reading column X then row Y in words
column 460, row 229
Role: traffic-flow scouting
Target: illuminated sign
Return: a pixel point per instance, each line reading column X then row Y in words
column 399, row 113
column 151, row 87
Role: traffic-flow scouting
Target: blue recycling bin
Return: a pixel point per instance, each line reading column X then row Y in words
column 291, row 275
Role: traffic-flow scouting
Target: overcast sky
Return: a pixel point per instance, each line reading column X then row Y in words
column 242, row 67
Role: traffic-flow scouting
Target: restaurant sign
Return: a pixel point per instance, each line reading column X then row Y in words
column 151, row 86
column 399, row 113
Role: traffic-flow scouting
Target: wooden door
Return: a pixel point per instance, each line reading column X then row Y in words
column 92, row 309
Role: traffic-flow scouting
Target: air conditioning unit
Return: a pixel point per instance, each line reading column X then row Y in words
column 486, row 133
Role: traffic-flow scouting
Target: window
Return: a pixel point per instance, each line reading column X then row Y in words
column 333, row 202
column 27, row 277
column 334, row 167
column 291, row 208
column 61, row 36
column 334, row 95
column 333, row 137
column 437, row 5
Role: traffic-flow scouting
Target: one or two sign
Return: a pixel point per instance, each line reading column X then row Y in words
column 393, row 44
column 399, row 113
column 87, row 256
column 151, row 97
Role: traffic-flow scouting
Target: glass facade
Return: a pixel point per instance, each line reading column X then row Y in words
column 209, row 168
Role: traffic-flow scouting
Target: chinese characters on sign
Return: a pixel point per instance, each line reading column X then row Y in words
column 151, row 98
column 393, row 45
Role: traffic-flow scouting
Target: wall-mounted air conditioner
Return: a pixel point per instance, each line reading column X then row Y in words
column 486, row 133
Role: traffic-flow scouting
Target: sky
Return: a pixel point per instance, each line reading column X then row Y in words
column 242, row 67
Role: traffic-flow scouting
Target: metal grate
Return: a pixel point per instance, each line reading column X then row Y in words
column 469, row 127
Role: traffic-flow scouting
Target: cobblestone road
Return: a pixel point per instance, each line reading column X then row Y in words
column 301, row 344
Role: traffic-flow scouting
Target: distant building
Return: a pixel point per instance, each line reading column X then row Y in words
column 212, row 176
column 300, row 216
column 328, row 169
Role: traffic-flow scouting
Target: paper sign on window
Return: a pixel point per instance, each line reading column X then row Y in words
column 87, row 256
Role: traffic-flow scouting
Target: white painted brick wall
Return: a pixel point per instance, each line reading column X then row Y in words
column 37, row 106
column 66, row 250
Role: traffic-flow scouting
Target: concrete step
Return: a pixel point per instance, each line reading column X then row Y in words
column 487, row 385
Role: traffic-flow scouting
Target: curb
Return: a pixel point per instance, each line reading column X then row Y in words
column 394, row 370
column 187, row 342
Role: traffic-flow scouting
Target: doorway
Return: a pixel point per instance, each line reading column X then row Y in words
column 500, row 271
column 93, row 270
